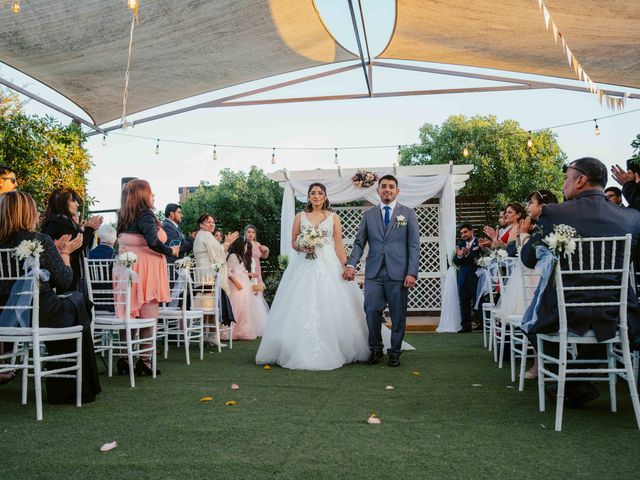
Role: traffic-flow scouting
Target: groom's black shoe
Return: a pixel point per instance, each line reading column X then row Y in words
column 394, row 360
column 375, row 357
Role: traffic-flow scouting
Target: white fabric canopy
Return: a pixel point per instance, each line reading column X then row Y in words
column 414, row 191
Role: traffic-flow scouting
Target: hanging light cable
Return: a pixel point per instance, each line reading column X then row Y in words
column 273, row 156
column 335, row 157
column 104, row 140
column 215, row 154
column 530, row 140
column 158, row 147
column 597, row 131
column 399, row 156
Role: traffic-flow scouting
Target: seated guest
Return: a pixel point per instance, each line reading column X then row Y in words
column 513, row 213
column 467, row 252
column 588, row 211
column 106, row 241
column 19, row 222
column 614, row 195
column 250, row 315
column 535, row 202
column 171, row 226
column 139, row 231
column 8, row 181
column 59, row 220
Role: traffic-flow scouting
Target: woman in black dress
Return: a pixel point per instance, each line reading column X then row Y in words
column 19, row 221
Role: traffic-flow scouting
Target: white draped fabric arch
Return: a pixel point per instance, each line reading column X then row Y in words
column 414, row 191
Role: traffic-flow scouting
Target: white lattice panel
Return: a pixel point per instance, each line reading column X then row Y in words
column 426, row 295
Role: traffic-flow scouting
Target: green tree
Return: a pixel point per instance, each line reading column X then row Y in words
column 506, row 169
column 44, row 153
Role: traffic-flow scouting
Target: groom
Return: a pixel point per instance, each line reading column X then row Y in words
column 392, row 232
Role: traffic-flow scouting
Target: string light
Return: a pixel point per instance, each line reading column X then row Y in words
column 158, row 147
column 215, row 153
column 15, row 6
column 399, row 156
column 132, row 4
column 104, row 140
column 336, row 161
column 273, row 156
column 530, row 140
column 465, row 152
column 597, row 127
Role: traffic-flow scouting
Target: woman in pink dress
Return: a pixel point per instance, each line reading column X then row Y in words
column 258, row 252
column 250, row 315
column 139, row 231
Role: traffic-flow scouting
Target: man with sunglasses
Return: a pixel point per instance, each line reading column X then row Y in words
column 8, row 181
column 592, row 215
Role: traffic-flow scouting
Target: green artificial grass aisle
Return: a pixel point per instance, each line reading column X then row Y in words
column 293, row 424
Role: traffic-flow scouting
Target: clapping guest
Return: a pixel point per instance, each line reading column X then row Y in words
column 59, row 220
column 106, row 240
column 513, row 214
column 171, row 226
column 630, row 182
column 19, row 223
column 250, row 316
column 535, row 203
column 139, row 231
column 467, row 252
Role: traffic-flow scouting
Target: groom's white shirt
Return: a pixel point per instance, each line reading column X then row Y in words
column 392, row 205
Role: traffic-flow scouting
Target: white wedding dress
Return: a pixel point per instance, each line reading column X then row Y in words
column 317, row 320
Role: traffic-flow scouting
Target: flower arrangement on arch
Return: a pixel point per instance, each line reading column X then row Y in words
column 364, row 179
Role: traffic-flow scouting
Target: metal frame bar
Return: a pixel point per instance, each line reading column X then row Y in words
column 230, row 101
column 355, row 30
column 53, row 106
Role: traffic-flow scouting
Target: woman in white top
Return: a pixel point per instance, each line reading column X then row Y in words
column 208, row 251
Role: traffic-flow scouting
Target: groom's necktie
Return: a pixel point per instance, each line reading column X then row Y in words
column 387, row 209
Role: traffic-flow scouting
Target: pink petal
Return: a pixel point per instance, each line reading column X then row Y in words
column 235, row 386
column 373, row 420
column 108, row 446
column 389, row 387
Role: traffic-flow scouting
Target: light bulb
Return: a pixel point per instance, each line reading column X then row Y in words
column 15, row 6
column 132, row 4
column 399, row 156
column 215, row 154
column 158, row 147
column 465, row 152
column 530, row 141
column 335, row 157
column 597, row 127
column 104, row 140
column 273, row 157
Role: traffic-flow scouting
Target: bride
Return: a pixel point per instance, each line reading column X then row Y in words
column 316, row 321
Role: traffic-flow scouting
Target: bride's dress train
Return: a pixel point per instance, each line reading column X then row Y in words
column 316, row 321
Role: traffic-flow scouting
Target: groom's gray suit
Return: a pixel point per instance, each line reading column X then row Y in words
column 394, row 253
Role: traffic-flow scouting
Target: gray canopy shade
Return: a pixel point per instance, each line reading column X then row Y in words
column 180, row 48
column 185, row 48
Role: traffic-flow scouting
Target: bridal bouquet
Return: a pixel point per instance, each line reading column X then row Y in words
column 28, row 249
column 127, row 259
column 562, row 240
column 311, row 237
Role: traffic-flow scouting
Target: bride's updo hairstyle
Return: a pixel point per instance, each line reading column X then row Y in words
column 326, row 206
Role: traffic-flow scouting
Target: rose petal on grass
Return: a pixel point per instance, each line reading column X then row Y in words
column 373, row 420
column 230, row 403
column 389, row 387
column 415, row 373
column 108, row 446
column 235, row 386
column 476, row 384
column 206, row 399
column 267, row 367
column 510, row 386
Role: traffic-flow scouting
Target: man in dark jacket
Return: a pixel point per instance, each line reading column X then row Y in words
column 467, row 252
column 171, row 226
column 588, row 211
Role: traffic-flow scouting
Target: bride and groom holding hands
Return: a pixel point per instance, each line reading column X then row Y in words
column 317, row 320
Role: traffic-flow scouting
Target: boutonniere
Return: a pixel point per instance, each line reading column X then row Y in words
column 401, row 221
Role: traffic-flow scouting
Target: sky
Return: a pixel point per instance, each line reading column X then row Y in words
column 363, row 122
